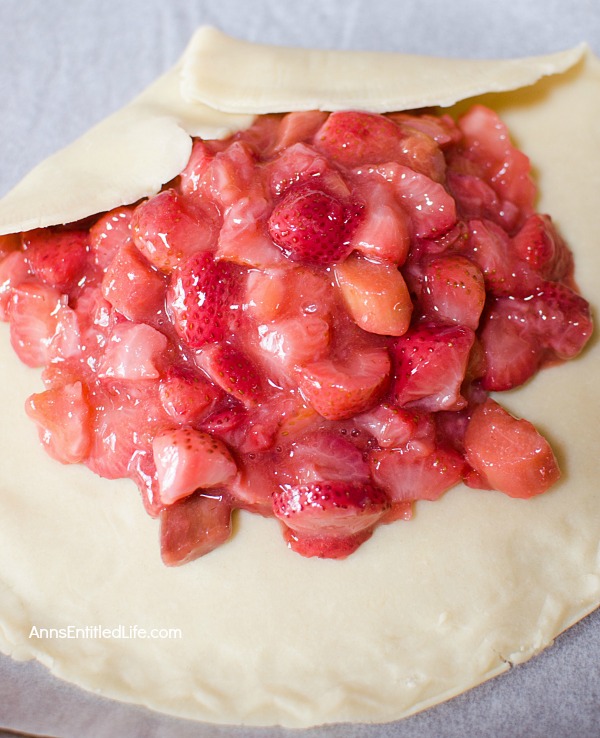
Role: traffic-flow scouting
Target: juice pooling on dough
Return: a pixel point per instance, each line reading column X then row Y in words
column 306, row 324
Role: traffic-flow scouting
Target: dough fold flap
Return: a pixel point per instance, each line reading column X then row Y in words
column 275, row 79
column 217, row 88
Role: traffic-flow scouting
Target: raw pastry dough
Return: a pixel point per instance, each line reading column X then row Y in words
column 423, row 611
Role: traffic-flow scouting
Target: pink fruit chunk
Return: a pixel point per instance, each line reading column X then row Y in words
column 193, row 527
column 14, row 269
column 453, row 290
column 476, row 200
column 201, row 300
column 168, row 230
column 324, row 455
column 185, row 395
column 541, row 246
column 298, row 127
column 63, row 417
column 329, row 519
column 132, row 286
column 509, row 453
column 188, row 459
column 430, row 363
column 310, row 226
column 295, row 341
column 384, row 230
column 341, row 390
column 108, row 234
column 57, row 258
column 407, row 476
column 487, row 143
column 243, row 238
column 562, row 318
column 375, row 295
column 431, row 209
column 391, row 426
column 135, row 351
column 197, row 166
column 33, row 314
column 233, row 371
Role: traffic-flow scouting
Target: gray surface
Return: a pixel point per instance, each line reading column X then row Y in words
column 65, row 64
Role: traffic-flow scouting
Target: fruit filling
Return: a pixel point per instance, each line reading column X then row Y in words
column 306, row 324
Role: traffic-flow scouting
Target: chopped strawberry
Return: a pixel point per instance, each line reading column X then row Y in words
column 132, row 286
column 225, row 422
column 201, row 299
column 324, row 455
column 302, row 165
column 243, row 238
column 504, row 272
column 135, row 351
column 375, row 295
column 108, row 234
column 10, row 243
column 311, row 226
column 392, row 427
column 254, row 485
column 57, row 258
column 33, row 315
column 509, row 453
column 14, row 269
column 357, row 138
column 384, row 231
column 540, row 245
column 430, row 362
column 295, row 341
column 487, row 143
column 431, row 209
column 168, row 230
column 563, row 319
column 186, row 396
column 329, row 518
column 62, row 415
column 193, row 175
column 453, row 290
column 337, row 391
column 298, row 127
column 475, row 199
column 233, row 371
column 407, row 476
column 230, row 174
column 442, row 129
column 512, row 353
column 193, row 527
column 188, row 459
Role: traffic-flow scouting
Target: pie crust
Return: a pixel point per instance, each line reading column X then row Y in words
column 425, row 609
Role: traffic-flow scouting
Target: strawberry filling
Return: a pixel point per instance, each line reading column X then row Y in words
column 305, row 324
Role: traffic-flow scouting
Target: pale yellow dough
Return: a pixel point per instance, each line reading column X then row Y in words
column 423, row 611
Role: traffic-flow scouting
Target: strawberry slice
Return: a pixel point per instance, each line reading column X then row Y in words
column 384, row 231
column 311, row 226
column 233, row 371
column 375, row 295
column 297, row 127
column 541, row 246
column 34, row 321
column 108, row 234
column 452, row 290
column 188, row 459
column 168, row 229
column 430, row 362
column 329, row 519
column 185, row 395
column 132, row 286
column 509, row 453
column 63, row 417
column 408, row 476
column 193, row 527
column 341, row 390
column 200, row 299
column 431, row 209
column 57, row 258
column 295, row 341
column 14, row 269
column 135, row 351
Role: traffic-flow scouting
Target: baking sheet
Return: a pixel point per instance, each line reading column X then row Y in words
column 65, row 66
